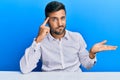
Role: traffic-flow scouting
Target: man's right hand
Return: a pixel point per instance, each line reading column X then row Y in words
column 43, row 31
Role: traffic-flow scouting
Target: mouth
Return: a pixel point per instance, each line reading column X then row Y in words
column 61, row 27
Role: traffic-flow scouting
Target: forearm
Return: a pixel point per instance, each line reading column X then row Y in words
column 85, row 59
column 30, row 59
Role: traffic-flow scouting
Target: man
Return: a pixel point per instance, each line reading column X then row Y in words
column 59, row 49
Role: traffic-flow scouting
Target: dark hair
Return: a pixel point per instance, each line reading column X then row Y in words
column 54, row 6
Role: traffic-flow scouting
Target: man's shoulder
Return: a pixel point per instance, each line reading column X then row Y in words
column 75, row 36
column 73, row 33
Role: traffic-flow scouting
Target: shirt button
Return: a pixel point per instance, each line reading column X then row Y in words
column 34, row 50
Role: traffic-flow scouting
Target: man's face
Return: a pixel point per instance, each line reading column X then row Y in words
column 57, row 22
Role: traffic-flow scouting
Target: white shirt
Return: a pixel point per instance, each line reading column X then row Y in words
column 66, row 54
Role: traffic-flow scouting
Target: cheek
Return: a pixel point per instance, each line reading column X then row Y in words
column 64, row 22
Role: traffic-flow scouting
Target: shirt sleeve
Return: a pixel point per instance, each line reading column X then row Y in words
column 31, row 57
column 84, row 58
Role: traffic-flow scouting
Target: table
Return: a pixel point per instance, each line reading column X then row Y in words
column 16, row 75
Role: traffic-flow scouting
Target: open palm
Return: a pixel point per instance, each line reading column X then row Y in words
column 102, row 47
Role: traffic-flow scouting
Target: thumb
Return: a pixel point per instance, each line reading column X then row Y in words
column 103, row 42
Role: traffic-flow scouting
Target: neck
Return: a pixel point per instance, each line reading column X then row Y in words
column 58, row 36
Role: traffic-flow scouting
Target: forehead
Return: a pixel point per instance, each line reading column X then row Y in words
column 59, row 13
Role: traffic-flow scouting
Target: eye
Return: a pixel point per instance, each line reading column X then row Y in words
column 63, row 18
column 54, row 19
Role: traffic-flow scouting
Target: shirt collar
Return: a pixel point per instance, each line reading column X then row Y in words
column 51, row 38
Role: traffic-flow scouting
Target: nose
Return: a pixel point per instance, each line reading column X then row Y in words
column 59, row 22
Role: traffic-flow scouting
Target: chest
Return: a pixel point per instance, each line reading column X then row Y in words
column 56, row 50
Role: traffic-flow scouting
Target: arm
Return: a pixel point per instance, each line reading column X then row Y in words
column 32, row 54
column 89, row 58
column 84, row 58
column 30, row 59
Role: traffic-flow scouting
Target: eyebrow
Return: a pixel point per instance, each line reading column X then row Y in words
column 56, row 17
column 53, row 17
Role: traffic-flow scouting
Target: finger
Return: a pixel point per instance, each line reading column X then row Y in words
column 47, row 31
column 45, row 22
column 110, row 47
column 103, row 42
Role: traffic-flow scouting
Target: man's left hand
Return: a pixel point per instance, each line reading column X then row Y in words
column 98, row 47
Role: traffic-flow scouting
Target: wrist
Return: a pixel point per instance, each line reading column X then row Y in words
column 92, row 54
column 38, row 39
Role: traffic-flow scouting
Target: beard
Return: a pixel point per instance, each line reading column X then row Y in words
column 58, row 31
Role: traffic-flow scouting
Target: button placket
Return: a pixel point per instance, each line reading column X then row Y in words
column 61, row 53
